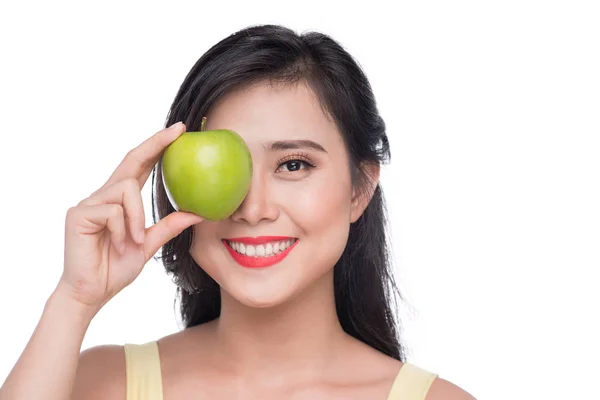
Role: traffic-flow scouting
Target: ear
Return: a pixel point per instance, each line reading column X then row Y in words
column 362, row 194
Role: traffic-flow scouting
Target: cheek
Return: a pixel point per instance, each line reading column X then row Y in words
column 317, row 201
column 320, row 208
column 206, row 250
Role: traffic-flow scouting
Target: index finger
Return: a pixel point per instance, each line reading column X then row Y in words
column 138, row 162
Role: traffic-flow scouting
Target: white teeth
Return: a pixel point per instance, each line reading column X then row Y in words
column 262, row 250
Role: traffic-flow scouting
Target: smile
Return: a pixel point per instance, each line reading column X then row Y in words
column 259, row 252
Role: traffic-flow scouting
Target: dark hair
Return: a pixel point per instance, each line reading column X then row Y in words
column 364, row 283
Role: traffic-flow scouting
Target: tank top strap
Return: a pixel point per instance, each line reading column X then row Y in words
column 411, row 383
column 142, row 365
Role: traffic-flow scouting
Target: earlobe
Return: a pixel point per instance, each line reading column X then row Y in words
column 362, row 195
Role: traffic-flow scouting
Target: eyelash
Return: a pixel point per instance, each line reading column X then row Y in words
column 302, row 157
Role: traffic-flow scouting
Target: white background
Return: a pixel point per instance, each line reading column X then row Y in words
column 493, row 113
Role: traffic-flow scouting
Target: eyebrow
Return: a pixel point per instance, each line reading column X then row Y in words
column 293, row 144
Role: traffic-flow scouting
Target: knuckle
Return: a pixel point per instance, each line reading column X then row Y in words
column 169, row 224
column 131, row 184
column 71, row 212
column 131, row 154
column 115, row 210
column 135, row 157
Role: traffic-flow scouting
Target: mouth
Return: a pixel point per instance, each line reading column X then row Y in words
column 260, row 252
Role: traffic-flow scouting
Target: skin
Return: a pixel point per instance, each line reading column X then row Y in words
column 278, row 335
column 283, row 317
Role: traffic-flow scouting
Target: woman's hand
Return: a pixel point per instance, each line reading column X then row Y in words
column 106, row 242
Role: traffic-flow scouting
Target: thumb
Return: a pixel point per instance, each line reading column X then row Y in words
column 166, row 229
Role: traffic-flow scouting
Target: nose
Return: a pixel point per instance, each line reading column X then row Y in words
column 259, row 204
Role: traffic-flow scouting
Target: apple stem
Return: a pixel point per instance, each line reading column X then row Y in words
column 202, row 124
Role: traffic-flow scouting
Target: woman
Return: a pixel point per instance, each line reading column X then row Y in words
column 314, row 323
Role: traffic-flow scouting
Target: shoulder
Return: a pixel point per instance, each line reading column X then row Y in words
column 442, row 389
column 100, row 373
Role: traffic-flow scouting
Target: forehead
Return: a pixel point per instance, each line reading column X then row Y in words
column 265, row 112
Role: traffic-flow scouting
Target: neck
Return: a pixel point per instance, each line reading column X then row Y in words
column 296, row 337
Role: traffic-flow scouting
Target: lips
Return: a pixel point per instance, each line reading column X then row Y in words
column 258, row 240
column 258, row 262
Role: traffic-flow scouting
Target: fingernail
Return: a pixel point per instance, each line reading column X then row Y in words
column 177, row 124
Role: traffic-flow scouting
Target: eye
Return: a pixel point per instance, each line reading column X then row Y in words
column 295, row 162
column 295, row 165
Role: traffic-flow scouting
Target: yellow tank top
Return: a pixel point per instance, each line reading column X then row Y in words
column 144, row 379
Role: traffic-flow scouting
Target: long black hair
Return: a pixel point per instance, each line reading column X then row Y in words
column 364, row 285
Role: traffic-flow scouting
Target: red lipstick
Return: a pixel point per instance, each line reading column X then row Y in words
column 258, row 262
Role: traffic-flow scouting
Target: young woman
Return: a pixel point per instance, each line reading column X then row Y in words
column 288, row 298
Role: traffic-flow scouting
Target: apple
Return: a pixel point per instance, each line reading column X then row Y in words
column 207, row 173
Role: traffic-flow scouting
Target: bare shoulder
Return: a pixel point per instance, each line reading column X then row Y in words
column 100, row 374
column 442, row 389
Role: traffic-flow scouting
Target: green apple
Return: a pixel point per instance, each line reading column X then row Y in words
column 207, row 173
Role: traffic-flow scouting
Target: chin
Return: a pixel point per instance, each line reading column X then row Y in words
column 261, row 293
column 259, row 297
column 262, row 288
column 260, row 302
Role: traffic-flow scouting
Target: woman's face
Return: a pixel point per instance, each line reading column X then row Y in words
column 299, row 190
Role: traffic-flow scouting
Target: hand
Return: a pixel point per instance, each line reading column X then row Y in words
column 106, row 242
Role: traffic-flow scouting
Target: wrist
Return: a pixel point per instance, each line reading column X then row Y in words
column 62, row 300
